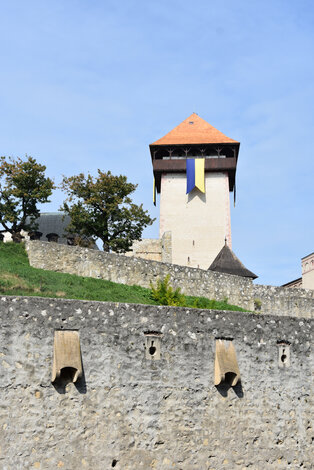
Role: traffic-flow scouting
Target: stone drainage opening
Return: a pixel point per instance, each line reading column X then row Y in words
column 226, row 364
column 283, row 354
column 152, row 349
column 67, row 362
column 230, row 377
column 152, row 345
column 67, row 374
column 114, row 463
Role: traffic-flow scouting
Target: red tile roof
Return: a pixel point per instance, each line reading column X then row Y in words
column 194, row 130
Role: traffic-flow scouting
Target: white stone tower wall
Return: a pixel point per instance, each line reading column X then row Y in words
column 198, row 222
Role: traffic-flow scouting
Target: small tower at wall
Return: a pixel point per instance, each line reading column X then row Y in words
column 198, row 218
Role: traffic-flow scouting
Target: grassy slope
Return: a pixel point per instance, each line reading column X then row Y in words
column 17, row 277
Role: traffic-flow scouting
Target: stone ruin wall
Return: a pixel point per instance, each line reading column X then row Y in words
column 130, row 412
column 136, row 271
column 153, row 249
column 148, row 248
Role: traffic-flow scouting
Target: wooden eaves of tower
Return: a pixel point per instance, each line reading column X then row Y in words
column 194, row 137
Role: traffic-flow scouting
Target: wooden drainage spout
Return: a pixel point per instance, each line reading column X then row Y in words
column 226, row 365
column 67, row 362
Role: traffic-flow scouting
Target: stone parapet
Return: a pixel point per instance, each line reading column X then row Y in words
column 192, row 281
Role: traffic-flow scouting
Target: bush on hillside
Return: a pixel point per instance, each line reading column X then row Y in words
column 164, row 293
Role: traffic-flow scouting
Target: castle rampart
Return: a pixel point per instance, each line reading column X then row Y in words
column 131, row 412
column 130, row 270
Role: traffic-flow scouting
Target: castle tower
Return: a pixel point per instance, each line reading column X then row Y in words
column 198, row 216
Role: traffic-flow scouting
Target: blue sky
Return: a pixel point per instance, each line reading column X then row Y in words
column 90, row 84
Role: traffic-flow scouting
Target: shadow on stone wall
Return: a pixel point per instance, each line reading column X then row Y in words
column 224, row 388
column 66, row 378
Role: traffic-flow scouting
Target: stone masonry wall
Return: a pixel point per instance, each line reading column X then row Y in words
column 128, row 270
column 137, row 271
column 148, row 248
column 294, row 302
column 129, row 412
column 153, row 249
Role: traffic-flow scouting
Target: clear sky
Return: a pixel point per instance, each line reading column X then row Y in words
column 88, row 84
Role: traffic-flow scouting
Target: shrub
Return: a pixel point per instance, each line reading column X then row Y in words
column 164, row 293
column 257, row 305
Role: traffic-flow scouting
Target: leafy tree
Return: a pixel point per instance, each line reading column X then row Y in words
column 23, row 185
column 102, row 208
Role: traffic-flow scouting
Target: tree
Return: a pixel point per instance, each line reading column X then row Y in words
column 102, row 208
column 23, row 185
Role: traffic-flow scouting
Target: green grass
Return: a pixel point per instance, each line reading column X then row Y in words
column 17, row 277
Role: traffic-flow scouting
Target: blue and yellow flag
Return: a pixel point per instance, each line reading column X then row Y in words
column 195, row 174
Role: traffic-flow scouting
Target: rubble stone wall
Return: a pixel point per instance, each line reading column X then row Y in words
column 136, row 271
column 130, row 412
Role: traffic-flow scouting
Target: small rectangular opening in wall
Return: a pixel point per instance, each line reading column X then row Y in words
column 152, row 345
column 283, row 354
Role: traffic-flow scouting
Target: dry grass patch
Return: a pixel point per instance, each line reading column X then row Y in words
column 60, row 294
column 13, row 281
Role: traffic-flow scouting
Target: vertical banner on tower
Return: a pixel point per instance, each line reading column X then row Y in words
column 195, row 174
column 200, row 174
column 190, row 175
